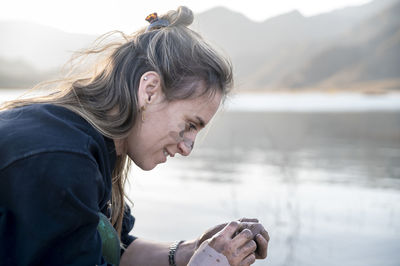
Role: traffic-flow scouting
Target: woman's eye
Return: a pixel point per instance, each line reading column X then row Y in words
column 192, row 126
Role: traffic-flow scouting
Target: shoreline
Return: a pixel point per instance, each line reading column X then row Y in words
column 284, row 101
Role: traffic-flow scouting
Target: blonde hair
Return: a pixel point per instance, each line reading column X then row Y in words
column 106, row 96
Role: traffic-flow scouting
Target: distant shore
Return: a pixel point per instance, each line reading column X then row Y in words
column 287, row 91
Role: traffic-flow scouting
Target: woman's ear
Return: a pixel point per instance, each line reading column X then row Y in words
column 149, row 89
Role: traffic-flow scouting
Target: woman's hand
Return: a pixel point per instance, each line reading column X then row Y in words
column 241, row 242
column 238, row 248
column 226, row 248
column 260, row 235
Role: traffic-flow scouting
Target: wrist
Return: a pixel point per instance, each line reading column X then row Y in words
column 185, row 252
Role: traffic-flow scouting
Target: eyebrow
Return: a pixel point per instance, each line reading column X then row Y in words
column 200, row 121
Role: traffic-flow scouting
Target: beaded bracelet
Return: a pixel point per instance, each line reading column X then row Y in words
column 172, row 250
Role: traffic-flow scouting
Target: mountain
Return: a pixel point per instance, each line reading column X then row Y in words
column 30, row 53
column 343, row 48
column 18, row 73
column 41, row 46
column 269, row 55
column 369, row 52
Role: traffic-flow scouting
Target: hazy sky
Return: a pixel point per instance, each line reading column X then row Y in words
column 100, row 16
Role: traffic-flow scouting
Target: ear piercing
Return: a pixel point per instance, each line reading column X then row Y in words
column 145, row 78
column 142, row 110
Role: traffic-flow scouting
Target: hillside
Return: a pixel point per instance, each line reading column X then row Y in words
column 343, row 49
column 270, row 55
column 40, row 46
column 369, row 52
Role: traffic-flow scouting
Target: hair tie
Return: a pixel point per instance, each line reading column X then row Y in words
column 155, row 22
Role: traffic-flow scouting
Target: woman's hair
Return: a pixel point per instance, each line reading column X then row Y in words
column 106, row 96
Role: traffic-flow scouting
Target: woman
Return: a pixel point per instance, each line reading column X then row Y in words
column 64, row 157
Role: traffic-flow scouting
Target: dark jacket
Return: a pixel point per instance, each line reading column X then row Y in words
column 55, row 176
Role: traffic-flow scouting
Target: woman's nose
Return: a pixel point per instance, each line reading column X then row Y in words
column 185, row 146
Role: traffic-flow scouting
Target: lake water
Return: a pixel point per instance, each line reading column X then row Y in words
column 322, row 173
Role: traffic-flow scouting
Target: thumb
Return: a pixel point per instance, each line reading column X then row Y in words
column 230, row 229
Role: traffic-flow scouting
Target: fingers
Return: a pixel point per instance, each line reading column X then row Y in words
column 242, row 238
column 250, row 259
column 220, row 240
column 265, row 234
column 241, row 242
column 240, row 248
column 255, row 228
column 230, row 229
column 249, row 248
column 262, row 246
column 260, row 235
column 210, row 233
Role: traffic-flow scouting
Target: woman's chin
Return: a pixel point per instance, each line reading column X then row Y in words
column 148, row 167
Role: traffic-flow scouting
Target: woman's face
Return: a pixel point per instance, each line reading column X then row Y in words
column 168, row 127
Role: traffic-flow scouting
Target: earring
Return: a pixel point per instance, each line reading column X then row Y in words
column 142, row 110
column 145, row 78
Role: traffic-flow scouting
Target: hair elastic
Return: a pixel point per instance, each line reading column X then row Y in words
column 155, row 22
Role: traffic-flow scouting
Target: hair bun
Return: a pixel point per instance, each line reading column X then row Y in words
column 182, row 16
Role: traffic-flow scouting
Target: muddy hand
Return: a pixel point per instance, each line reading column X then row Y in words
column 260, row 235
column 238, row 248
